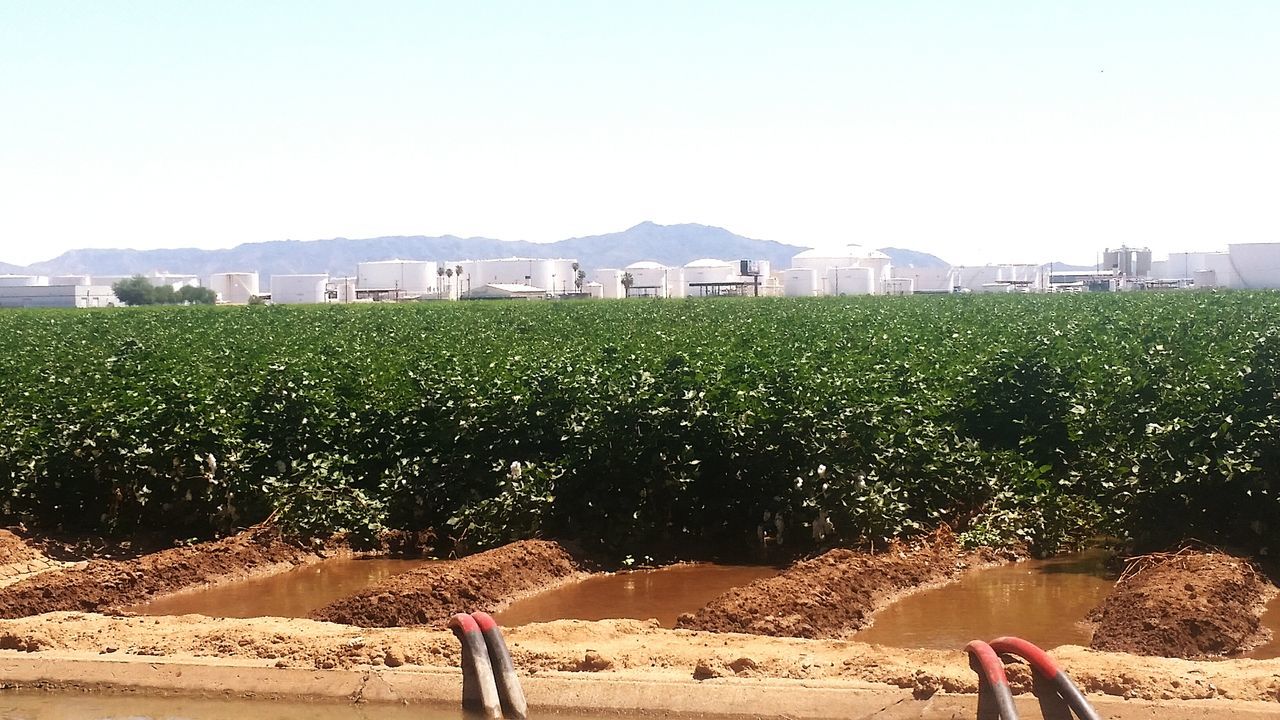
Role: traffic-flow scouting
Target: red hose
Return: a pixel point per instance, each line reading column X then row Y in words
column 1045, row 667
column 991, row 675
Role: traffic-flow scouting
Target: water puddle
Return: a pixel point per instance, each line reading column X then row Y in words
column 51, row 706
column 662, row 594
column 1270, row 619
column 291, row 594
column 1044, row 601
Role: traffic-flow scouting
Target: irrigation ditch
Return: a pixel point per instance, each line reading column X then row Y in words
column 1186, row 627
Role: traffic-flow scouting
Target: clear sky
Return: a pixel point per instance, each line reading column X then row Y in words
column 980, row 131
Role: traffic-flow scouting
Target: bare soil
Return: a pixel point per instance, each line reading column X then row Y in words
column 431, row 594
column 21, row 559
column 621, row 650
column 99, row 585
column 1188, row 604
column 835, row 593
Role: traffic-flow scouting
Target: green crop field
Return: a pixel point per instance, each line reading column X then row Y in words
column 649, row 426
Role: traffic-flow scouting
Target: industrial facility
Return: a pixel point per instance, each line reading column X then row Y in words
column 827, row 270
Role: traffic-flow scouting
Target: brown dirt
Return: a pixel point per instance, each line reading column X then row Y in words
column 19, row 559
column 431, row 594
column 1188, row 604
column 99, row 585
column 623, row 650
column 833, row 594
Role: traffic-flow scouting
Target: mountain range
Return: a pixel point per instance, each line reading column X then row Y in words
column 666, row 244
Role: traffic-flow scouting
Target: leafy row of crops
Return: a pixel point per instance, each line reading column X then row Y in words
column 645, row 426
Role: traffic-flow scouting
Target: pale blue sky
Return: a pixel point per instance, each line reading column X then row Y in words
column 980, row 131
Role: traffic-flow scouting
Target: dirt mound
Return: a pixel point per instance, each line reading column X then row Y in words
column 1188, row 604
column 99, row 585
column 18, row 559
column 832, row 594
column 13, row 550
column 429, row 595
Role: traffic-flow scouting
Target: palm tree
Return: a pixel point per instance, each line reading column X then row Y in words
column 627, row 282
column 440, row 281
column 449, row 274
column 577, row 276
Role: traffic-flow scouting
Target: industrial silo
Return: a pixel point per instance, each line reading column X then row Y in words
column 610, row 281
column 236, row 288
column 826, row 260
column 701, row 276
column 649, row 279
column 403, row 278
column 1256, row 264
column 799, row 282
column 299, row 289
column 851, row 281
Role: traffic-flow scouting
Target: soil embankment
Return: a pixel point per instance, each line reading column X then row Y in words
column 100, row 585
column 833, row 594
column 1188, row 604
column 431, row 594
column 625, row 651
column 19, row 559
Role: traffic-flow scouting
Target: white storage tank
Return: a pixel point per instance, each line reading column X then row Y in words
column 707, row 270
column 1256, row 264
column 1205, row 278
column 593, row 290
column 411, row 278
column 342, row 289
column 650, row 278
column 851, row 281
column 298, row 289
column 236, row 288
column 69, row 280
column 799, row 282
column 610, row 281
column 177, row 281
column 23, row 280
column 846, row 255
column 900, row 286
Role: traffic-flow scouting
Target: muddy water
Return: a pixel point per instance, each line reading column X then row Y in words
column 640, row 595
column 1043, row 601
column 291, row 594
column 1270, row 619
column 51, row 706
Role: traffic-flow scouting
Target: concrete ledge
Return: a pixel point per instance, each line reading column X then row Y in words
column 556, row 692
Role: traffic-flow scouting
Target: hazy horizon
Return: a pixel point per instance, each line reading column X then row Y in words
column 980, row 133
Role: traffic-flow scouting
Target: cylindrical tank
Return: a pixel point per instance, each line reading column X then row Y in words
column 236, row 288
column 800, row 282
column 593, row 290
column 69, row 280
column 851, row 281
column 343, row 289
column 298, row 289
column 707, row 270
column 610, row 281
column 410, row 278
column 1256, row 264
column 649, row 279
column 1205, row 278
column 23, row 280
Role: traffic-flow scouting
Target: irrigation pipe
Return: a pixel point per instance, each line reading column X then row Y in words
column 1046, row 668
column 504, row 671
column 479, row 693
column 991, row 676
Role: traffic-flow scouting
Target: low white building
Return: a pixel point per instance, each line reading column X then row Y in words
column 505, row 291
column 57, row 296
column 928, row 279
